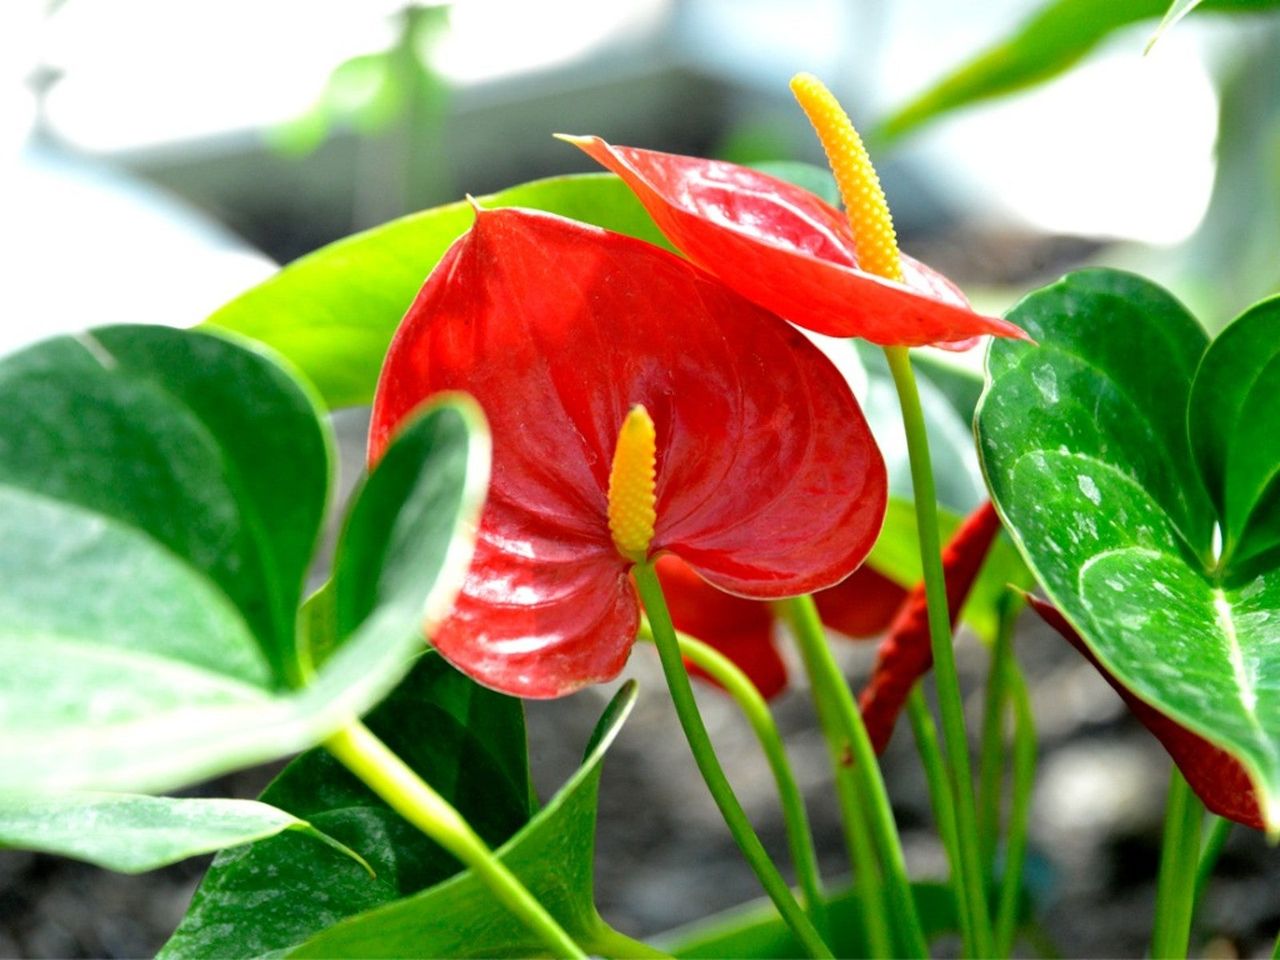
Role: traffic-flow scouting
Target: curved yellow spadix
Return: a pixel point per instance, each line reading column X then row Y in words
column 860, row 189
column 631, row 485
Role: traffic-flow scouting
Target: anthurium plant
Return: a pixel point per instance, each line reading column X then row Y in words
column 597, row 420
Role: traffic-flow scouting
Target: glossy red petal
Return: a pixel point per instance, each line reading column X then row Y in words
column 790, row 251
column 861, row 606
column 740, row 629
column 768, row 479
column 1217, row 777
column 907, row 653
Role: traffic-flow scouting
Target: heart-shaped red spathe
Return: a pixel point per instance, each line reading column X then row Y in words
column 769, row 482
column 790, row 251
column 1218, row 778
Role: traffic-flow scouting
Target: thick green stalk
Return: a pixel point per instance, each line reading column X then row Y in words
column 1024, row 771
column 806, row 627
column 950, row 704
column 753, row 706
column 1175, row 891
column 867, row 879
column 664, row 638
column 941, row 799
column 406, row 793
column 608, row 942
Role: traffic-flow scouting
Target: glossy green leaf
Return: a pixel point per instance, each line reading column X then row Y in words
column 553, row 855
column 1234, row 417
column 466, row 741
column 133, row 833
column 1084, row 443
column 1052, row 40
column 332, row 313
column 756, row 931
column 150, row 544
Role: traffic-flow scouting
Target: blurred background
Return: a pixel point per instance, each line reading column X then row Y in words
column 156, row 158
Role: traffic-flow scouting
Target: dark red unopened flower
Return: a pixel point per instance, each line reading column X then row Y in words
column 1218, row 778
column 907, row 653
column 860, row 606
column 765, row 476
column 792, row 252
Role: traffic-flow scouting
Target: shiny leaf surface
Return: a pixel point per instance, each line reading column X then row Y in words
column 133, row 833
column 768, row 480
column 1084, row 442
column 148, row 552
column 1216, row 777
column 467, row 742
column 553, row 854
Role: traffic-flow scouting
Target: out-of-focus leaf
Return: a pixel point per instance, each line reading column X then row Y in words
column 133, row 833
column 756, row 931
column 332, row 313
column 1056, row 37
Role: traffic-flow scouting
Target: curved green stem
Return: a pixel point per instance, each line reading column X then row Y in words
column 941, row 799
column 753, row 706
column 868, row 885
column 1024, row 771
column 608, row 942
column 1179, row 853
column 950, row 704
column 806, row 626
column 1219, row 830
column 664, row 638
column 405, row 792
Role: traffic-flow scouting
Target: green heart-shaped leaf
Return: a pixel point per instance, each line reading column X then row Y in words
column 150, row 546
column 553, row 855
column 1085, row 446
column 133, row 833
column 1234, row 418
column 466, row 741
column 333, row 312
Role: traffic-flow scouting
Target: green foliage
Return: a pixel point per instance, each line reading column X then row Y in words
column 153, row 558
column 1051, row 41
column 133, row 833
column 1085, row 445
column 467, row 742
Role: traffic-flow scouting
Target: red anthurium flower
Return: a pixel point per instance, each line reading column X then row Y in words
column 1217, row 777
column 766, row 479
column 860, row 606
column 790, row 251
column 907, row 654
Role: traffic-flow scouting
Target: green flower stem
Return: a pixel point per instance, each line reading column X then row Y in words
column 941, row 799
column 991, row 762
column 1024, row 771
column 1219, row 830
column 1178, row 859
column 405, row 792
column 1275, row 951
column 806, row 626
column 950, row 704
column 664, row 638
column 753, row 706
column 868, row 884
